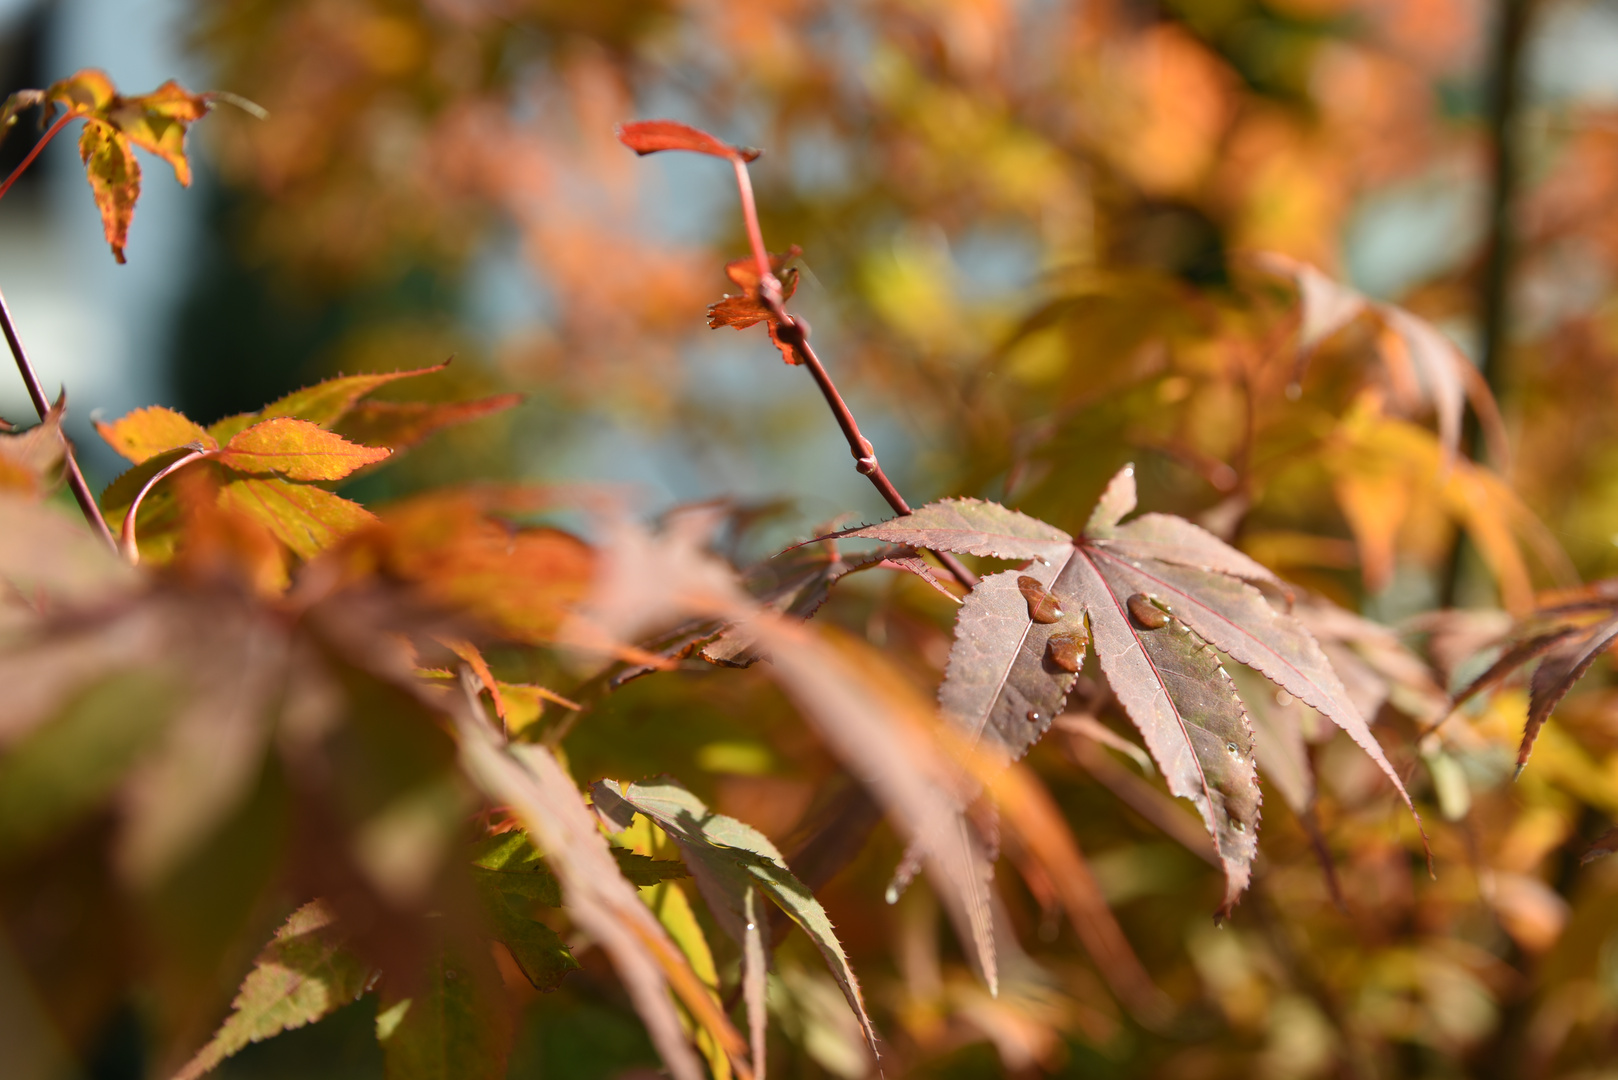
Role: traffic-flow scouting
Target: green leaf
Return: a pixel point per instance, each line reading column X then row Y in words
column 75, row 760
column 644, row 870
column 512, row 881
column 306, row 519
column 455, row 1027
column 728, row 857
column 323, row 404
column 297, row 450
column 304, row 973
column 514, row 864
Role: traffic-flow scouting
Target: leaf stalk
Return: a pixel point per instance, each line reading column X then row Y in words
column 34, row 153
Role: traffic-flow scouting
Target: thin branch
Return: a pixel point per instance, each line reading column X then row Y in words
column 1505, row 93
column 36, row 393
column 794, row 332
column 34, row 153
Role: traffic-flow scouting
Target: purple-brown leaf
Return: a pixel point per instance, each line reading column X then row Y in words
column 971, row 527
column 1236, row 619
column 1003, row 683
column 1187, row 710
column 1563, row 666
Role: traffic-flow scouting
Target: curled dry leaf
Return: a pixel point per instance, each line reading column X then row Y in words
column 744, row 310
column 650, row 136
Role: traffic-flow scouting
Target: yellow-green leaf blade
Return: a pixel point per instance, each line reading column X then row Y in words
column 114, row 177
column 323, row 404
column 301, row 976
column 147, row 432
column 297, row 450
column 306, row 519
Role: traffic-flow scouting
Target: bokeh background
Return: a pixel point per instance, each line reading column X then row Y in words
column 1025, row 227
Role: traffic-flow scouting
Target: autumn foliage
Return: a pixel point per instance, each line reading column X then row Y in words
column 1237, row 700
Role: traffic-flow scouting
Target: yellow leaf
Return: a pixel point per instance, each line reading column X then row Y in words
column 297, row 450
column 147, row 432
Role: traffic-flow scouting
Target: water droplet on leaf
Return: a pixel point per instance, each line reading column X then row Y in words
column 1066, row 651
column 1042, row 606
column 1146, row 614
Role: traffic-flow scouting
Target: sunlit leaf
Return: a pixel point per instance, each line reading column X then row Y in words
column 113, row 124
column 305, row 973
column 323, row 404
column 297, row 450
column 729, row 858
column 650, row 136
column 145, row 433
column 306, row 519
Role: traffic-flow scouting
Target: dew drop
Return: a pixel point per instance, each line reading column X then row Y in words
column 1066, row 651
column 1033, row 716
column 751, row 927
column 1239, row 826
column 1282, row 698
column 1146, row 614
column 1042, row 606
column 1235, row 750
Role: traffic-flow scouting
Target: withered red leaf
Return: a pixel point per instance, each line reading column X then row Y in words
column 650, row 136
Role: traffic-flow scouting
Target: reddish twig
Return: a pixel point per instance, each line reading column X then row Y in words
column 34, row 153
column 36, row 393
column 794, row 332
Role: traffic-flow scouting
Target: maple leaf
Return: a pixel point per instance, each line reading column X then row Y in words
column 602, row 902
column 1424, row 366
column 865, row 714
column 520, row 581
column 1566, row 637
column 1149, row 598
column 401, row 424
column 295, row 449
column 731, row 862
column 306, row 519
column 323, row 404
column 306, row 972
column 144, row 433
column 113, row 125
